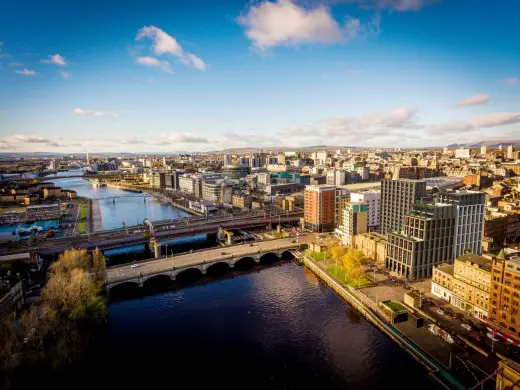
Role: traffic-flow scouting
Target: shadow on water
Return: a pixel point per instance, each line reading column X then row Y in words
column 192, row 278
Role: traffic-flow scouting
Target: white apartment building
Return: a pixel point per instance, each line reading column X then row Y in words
column 186, row 184
column 372, row 198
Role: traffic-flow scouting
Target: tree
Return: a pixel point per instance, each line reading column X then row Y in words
column 352, row 264
column 99, row 265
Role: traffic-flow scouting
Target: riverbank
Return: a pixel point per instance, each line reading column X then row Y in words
column 159, row 196
column 370, row 311
column 96, row 218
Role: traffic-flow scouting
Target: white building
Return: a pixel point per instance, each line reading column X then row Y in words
column 364, row 172
column 320, row 158
column 372, row 198
column 462, row 153
column 469, row 220
column 510, row 150
column 186, row 184
column 211, row 190
column 354, row 221
column 337, row 177
column 483, row 150
column 228, row 159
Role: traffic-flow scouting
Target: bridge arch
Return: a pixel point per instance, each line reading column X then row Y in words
column 147, row 222
column 219, row 267
column 121, row 285
column 269, row 257
column 187, row 274
column 245, row 262
column 156, row 278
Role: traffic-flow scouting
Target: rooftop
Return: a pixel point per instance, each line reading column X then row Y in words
column 446, row 268
column 482, row 262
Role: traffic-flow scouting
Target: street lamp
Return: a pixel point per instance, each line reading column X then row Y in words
column 166, row 250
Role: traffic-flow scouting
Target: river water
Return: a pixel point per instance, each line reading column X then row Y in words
column 269, row 328
column 118, row 206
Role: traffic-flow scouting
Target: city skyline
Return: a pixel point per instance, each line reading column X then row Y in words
column 161, row 77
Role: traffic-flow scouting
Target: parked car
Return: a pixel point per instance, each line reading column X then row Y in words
column 475, row 336
column 467, row 327
column 135, row 266
column 222, row 253
column 440, row 311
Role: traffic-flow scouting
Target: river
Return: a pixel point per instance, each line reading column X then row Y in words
column 118, row 206
column 270, row 328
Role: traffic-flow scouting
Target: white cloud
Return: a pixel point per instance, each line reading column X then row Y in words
column 285, row 23
column 183, row 138
column 55, row 59
column 54, row 144
column 511, row 81
column 26, row 72
column 162, row 43
column 154, row 62
column 475, row 100
column 194, row 61
column 394, row 5
column 15, row 64
column 397, row 126
column 476, row 123
column 31, row 139
column 5, row 145
column 65, row 74
column 85, row 112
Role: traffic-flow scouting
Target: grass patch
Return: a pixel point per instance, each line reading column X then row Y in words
column 82, row 226
column 339, row 274
column 395, row 306
column 318, row 255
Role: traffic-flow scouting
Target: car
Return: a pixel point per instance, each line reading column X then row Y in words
column 222, row 253
column 467, row 327
column 440, row 311
column 475, row 336
column 492, row 336
column 135, row 265
column 293, row 241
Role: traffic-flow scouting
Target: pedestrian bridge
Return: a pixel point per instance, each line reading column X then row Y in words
column 200, row 261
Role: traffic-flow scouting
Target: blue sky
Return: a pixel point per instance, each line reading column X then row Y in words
column 196, row 75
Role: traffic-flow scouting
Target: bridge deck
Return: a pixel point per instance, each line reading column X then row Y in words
column 161, row 265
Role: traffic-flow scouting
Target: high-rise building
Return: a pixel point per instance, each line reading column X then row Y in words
column 483, row 150
column 372, row 199
column 354, row 221
column 425, row 240
column 211, row 190
column 469, row 220
column 228, row 159
column 397, row 198
column 510, row 150
column 158, row 180
column 319, row 207
column 445, row 151
column 337, row 177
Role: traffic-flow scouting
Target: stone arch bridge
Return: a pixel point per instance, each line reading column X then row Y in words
column 200, row 261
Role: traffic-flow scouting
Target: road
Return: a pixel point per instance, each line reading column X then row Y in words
column 156, row 266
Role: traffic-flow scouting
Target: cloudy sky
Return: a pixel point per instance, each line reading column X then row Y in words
column 200, row 75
